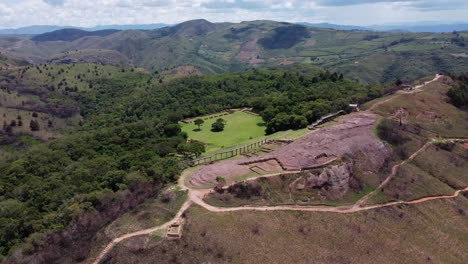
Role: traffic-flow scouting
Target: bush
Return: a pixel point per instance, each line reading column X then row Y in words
column 448, row 146
column 390, row 131
column 167, row 196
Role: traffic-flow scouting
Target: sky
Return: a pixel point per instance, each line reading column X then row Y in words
column 86, row 13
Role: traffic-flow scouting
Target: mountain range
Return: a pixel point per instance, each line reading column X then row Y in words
column 363, row 55
column 418, row 27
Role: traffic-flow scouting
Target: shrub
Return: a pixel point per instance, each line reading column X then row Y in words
column 390, row 131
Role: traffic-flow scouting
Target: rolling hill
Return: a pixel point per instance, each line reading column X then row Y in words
column 367, row 56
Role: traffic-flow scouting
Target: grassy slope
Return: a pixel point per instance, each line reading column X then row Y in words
column 408, row 234
column 449, row 122
column 74, row 75
column 39, row 89
column 435, row 171
column 151, row 213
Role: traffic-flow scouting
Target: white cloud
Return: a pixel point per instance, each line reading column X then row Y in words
column 14, row 13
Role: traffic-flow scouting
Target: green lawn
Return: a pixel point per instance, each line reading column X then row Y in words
column 240, row 128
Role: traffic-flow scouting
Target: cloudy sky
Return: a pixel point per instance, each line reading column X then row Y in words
column 17, row 13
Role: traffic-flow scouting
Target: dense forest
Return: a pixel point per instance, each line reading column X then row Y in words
column 286, row 98
column 131, row 137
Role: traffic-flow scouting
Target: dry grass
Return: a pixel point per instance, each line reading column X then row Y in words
column 46, row 131
column 430, row 111
column 152, row 213
column 434, row 232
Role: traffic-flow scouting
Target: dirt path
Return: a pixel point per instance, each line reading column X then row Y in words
column 414, row 90
column 196, row 196
column 364, row 199
column 114, row 242
column 337, row 209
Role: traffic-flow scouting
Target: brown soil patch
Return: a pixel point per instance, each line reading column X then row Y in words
column 183, row 71
column 310, row 43
column 353, row 135
column 287, row 62
column 249, row 53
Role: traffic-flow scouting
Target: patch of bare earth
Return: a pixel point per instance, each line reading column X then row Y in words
column 352, row 136
column 249, row 53
column 310, row 43
column 287, row 62
column 183, row 71
column 459, row 55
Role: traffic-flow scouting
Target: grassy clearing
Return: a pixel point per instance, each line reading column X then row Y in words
column 50, row 126
column 418, row 233
column 151, row 213
column 63, row 76
column 241, row 129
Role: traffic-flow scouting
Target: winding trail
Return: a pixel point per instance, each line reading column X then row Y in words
column 414, row 90
column 195, row 196
column 115, row 241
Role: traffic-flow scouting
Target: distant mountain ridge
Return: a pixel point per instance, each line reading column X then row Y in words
column 434, row 28
column 70, row 34
column 368, row 56
column 333, row 26
column 41, row 29
column 421, row 27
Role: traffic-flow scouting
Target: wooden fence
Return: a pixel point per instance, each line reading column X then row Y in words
column 228, row 153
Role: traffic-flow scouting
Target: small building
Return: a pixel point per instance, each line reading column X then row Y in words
column 174, row 231
column 354, row 107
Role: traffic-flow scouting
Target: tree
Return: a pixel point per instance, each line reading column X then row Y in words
column 196, row 148
column 34, row 125
column 172, row 130
column 217, row 126
column 198, row 122
column 398, row 82
column 192, row 148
